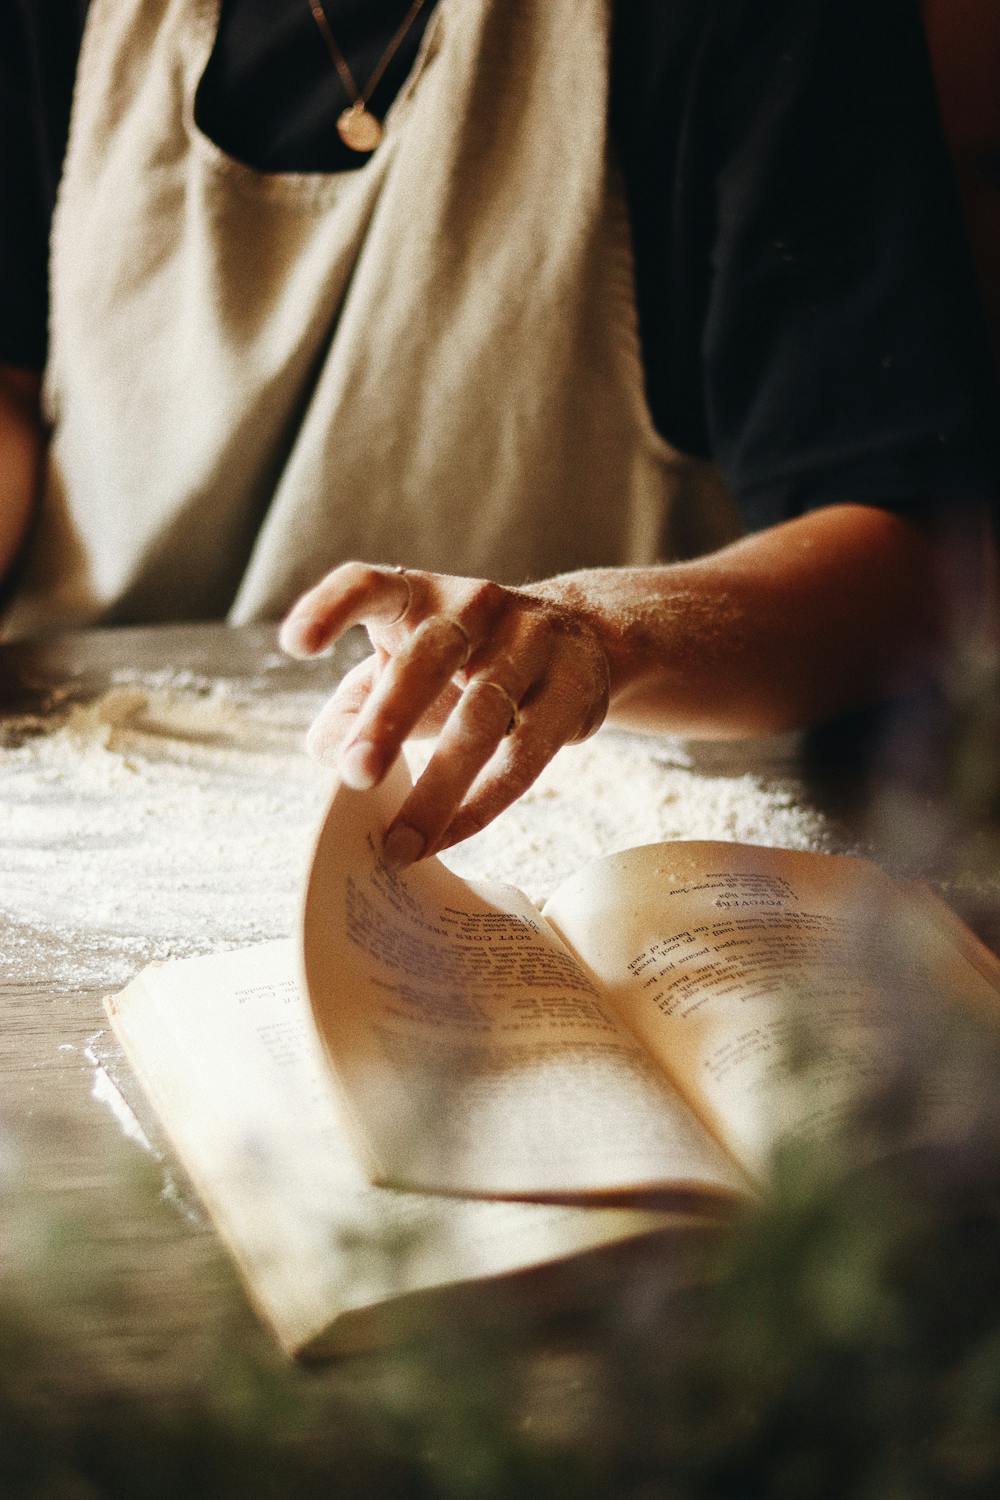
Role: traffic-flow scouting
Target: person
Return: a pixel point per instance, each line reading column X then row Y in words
column 491, row 295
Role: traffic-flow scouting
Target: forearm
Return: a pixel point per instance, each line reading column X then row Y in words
column 781, row 629
column 21, row 445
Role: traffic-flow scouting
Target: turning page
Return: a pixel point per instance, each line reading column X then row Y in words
column 475, row 1053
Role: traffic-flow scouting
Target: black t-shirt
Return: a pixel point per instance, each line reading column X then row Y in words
column 806, row 305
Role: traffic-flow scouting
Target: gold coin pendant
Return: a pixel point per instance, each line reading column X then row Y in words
column 358, row 129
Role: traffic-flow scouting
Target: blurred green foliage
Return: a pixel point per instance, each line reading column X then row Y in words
column 842, row 1340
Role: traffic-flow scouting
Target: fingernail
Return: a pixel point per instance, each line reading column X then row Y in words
column 360, row 765
column 403, row 845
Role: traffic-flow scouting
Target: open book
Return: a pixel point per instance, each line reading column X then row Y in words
column 439, row 1082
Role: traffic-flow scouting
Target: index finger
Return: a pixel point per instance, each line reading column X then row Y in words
column 354, row 594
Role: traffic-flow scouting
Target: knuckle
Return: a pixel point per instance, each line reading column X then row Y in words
column 431, row 635
column 441, row 636
column 427, row 629
column 484, row 710
column 354, row 574
column 538, row 636
column 487, row 597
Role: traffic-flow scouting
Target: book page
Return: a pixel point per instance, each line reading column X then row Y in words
column 475, row 1053
column 225, row 1048
column 769, row 983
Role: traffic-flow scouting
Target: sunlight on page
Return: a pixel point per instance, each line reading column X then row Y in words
column 476, row 1054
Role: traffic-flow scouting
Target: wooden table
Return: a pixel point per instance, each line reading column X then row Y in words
column 65, row 1150
column 63, row 1155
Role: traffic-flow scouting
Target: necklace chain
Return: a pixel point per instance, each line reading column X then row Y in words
column 361, row 96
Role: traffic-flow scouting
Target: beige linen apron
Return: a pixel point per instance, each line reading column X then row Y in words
column 431, row 360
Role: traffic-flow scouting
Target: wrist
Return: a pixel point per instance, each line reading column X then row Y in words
column 620, row 616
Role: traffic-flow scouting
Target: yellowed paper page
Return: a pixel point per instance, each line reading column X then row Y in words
column 767, row 982
column 225, row 1048
column 927, row 904
column 476, row 1054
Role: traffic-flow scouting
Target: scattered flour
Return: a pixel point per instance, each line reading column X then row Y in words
column 104, row 1089
column 159, row 820
column 173, row 815
column 618, row 790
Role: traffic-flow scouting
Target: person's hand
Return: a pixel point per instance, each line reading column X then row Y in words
column 504, row 677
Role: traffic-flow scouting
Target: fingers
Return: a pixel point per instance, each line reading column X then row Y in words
column 479, row 722
column 409, row 684
column 336, row 720
column 354, row 594
column 532, row 674
column 429, row 626
column 517, row 765
column 485, row 759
